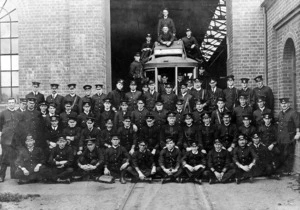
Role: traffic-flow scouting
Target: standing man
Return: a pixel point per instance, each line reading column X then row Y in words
column 214, row 92
column 117, row 95
column 151, row 96
column 191, row 46
column 288, row 132
column 261, row 89
column 88, row 96
column 245, row 90
column 230, row 93
column 22, row 105
column 166, row 21
column 74, row 98
column 169, row 98
column 133, row 96
column 56, row 98
column 35, row 93
column 98, row 99
column 205, row 77
column 136, row 70
column 186, row 97
column 9, row 120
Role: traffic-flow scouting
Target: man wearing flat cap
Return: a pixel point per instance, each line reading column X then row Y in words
column 132, row 96
column 288, row 133
column 76, row 100
column 136, row 71
column 22, row 105
column 146, row 49
column 230, row 93
column 191, row 46
column 98, row 98
column 261, row 89
column 56, row 98
column 35, row 93
column 245, row 90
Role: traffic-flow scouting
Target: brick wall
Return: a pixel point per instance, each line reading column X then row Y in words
column 245, row 39
column 63, row 41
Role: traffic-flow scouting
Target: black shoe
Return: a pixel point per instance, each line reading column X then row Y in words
column 163, row 181
column 237, row 181
column 21, row 181
column 150, row 180
column 179, row 180
column 134, row 180
column 211, row 181
column 122, row 180
column 198, row 181
column 277, row 177
column 251, row 179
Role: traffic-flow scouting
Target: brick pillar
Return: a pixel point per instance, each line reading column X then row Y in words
column 245, row 26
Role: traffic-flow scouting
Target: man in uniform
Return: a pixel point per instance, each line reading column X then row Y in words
column 166, row 38
column 205, row 76
column 244, row 159
column 35, row 93
column 194, row 163
column 246, row 128
column 72, row 132
column 207, row 133
column 143, row 165
column 136, row 71
column 199, row 93
column 119, row 115
column 186, row 97
column 9, row 121
column 242, row 109
column 245, row 90
column 86, row 112
column 31, row 163
column 116, row 159
column 56, row 98
column 146, row 49
column 217, row 115
column 190, row 133
column 106, row 134
column 151, row 96
column 180, row 112
column 213, row 93
column 166, row 21
column 261, row 109
column 88, row 96
column 230, row 93
column 219, row 162
column 288, row 132
column 200, row 104
column 132, row 96
column 138, row 116
column 169, row 161
column 22, row 105
column 98, row 98
column 64, row 116
column 159, row 114
column 107, row 113
column 191, row 46
column 168, row 98
column 261, row 89
column 117, row 95
column 162, row 84
column 74, row 98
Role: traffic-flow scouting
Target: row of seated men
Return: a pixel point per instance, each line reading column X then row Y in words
column 219, row 165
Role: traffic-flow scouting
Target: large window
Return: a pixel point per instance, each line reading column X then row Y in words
column 9, row 55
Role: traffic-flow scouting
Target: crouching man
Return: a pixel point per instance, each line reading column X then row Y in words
column 116, row 159
column 91, row 161
column 169, row 161
column 61, row 159
column 194, row 163
column 31, row 163
column 219, row 164
column 244, row 158
column 143, row 166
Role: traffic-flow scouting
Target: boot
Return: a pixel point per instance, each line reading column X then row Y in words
column 122, row 179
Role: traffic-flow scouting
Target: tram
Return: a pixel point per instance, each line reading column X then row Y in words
column 170, row 61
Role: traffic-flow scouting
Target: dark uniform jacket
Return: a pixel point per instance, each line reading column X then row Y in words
column 231, row 97
column 86, row 134
column 263, row 154
column 213, row 96
column 73, row 132
column 174, row 131
column 201, row 94
column 268, row 93
column 219, row 161
column 91, row 157
column 132, row 98
column 98, row 99
column 165, row 37
column 190, row 134
column 257, row 116
column 207, row 136
column 142, row 160
column 65, row 154
column 128, row 137
column 9, row 122
column 138, row 117
column 187, row 101
column 116, row 96
column 169, row 101
column 29, row 160
column 136, row 70
column 82, row 118
column 288, row 121
column 217, row 116
column 39, row 97
column 169, row 159
column 160, row 117
column 151, row 135
column 76, row 103
column 101, row 119
column 180, row 116
column 268, row 134
column 52, row 135
column 119, row 117
column 166, row 22
column 197, row 117
column 247, row 131
column 90, row 99
column 193, row 159
column 64, row 118
column 150, row 99
column 59, row 102
column 250, row 96
column 106, row 136
column 227, row 134
column 115, row 157
column 244, row 156
column 188, row 42
column 238, row 112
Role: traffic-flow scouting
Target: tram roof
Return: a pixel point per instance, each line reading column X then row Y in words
column 170, row 61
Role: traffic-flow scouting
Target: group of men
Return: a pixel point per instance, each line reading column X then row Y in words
column 213, row 134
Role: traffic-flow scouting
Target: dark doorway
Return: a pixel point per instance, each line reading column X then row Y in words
column 132, row 20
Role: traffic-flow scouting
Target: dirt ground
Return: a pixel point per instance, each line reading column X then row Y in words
column 263, row 194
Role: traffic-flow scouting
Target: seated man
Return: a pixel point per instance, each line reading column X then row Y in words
column 61, row 159
column 72, row 132
column 116, row 159
column 219, row 164
column 146, row 49
column 169, row 162
column 191, row 46
column 143, row 166
column 91, row 161
column 194, row 163
column 244, row 158
column 31, row 163
column 166, row 38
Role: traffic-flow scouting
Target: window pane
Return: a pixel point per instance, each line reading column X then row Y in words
column 15, row 62
column 15, row 78
column 14, row 16
column 5, row 30
column 15, row 46
column 4, row 19
column 14, row 29
column 5, row 46
column 5, row 79
column 5, row 62
column 5, row 93
column 15, row 93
